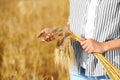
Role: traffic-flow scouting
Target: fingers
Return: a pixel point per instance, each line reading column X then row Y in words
column 82, row 43
column 46, row 35
column 48, row 38
column 41, row 34
column 88, row 50
column 82, row 39
column 86, row 45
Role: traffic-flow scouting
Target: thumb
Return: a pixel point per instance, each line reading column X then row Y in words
column 40, row 34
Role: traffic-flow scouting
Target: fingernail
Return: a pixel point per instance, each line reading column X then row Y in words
column 43, row 40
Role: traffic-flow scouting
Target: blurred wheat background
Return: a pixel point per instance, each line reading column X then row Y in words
column 22, row 55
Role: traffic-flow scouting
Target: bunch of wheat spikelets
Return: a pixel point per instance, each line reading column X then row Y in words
column 63, row 52
column 64, row 56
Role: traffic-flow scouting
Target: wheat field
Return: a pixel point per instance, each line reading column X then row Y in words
column 22, row 55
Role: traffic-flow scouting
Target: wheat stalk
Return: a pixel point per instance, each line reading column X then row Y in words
column 111, row 70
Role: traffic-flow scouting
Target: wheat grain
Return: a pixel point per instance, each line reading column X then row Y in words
column 64, row 53
column 111, row 70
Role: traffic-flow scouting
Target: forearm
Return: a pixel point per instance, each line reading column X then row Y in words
column 111, row 45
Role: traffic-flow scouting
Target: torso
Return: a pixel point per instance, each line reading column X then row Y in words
column 107, row 27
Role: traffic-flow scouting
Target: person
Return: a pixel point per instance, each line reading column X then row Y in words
column 98, row 22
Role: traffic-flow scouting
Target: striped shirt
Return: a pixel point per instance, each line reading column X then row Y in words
column 107, row 27
column 89, row 28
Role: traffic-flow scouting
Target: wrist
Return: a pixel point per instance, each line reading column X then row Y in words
column 105, row 46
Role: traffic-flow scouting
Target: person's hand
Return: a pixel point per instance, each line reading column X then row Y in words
column 45, row 34
column 91, row 46
column 49, row 34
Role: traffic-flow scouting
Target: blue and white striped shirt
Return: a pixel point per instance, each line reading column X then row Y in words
column 107, row 27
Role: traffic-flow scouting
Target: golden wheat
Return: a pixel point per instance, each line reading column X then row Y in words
column 111, row 70
column 63, row 53
column 22, row 55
